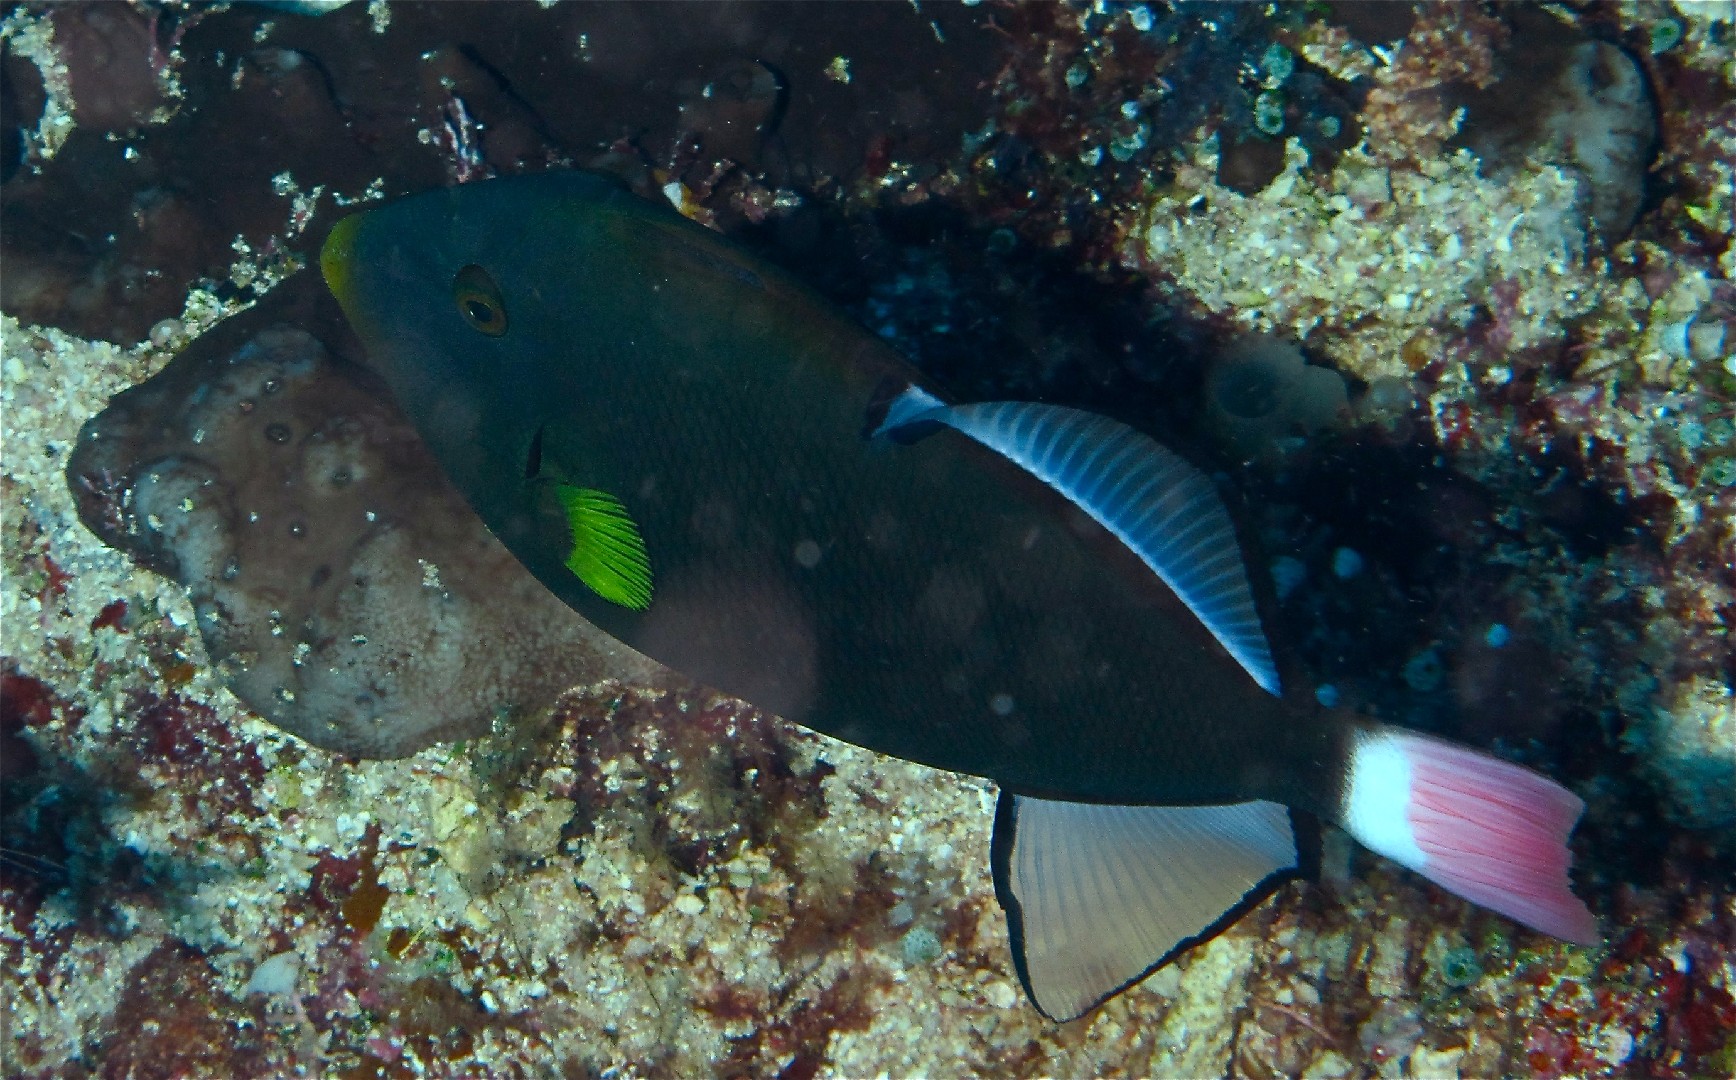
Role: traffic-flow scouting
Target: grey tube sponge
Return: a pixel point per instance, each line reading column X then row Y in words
column 1259, row 391
column 345, row 590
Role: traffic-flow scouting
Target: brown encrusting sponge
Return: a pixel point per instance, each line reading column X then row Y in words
column 347, row 593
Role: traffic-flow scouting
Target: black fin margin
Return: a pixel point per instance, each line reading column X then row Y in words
column 1000, row 856
column 1304, row 829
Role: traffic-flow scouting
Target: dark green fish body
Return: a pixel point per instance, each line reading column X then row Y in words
column 929, row 601
column 823, row 539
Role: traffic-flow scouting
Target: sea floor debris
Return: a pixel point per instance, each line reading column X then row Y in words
column 654, row 882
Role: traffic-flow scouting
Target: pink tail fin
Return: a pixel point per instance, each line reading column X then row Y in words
column 1491, row 831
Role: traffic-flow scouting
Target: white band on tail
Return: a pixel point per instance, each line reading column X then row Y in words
column 1491, row 831
column 1377, row 799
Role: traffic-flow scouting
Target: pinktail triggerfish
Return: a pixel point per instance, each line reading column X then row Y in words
column 716, row 467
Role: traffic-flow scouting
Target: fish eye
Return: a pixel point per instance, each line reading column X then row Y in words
column 479, row 300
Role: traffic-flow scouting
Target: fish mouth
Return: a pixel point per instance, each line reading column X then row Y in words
column 337, row 256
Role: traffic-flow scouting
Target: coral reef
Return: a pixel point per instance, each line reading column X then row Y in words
column 1083, row 202
column 1556, row 93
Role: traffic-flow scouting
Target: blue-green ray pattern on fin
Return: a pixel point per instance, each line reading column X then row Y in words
column 1161, row 507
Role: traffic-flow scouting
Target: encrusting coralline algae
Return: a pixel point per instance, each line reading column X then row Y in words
column 651, row 880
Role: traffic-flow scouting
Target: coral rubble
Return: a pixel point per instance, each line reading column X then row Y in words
column 1522, row 531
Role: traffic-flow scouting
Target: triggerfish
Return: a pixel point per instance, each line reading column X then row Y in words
column 711, row 463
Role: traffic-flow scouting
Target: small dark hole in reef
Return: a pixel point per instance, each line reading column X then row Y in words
column 533, row 460
column 229, row 292
column 320, row 576
column 277, row 433
column 1248, row 165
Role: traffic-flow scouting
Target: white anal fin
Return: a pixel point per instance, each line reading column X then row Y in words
column 1098, row 896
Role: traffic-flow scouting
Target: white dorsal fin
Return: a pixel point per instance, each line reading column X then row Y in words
column 1162, row 508
column 1099, row 896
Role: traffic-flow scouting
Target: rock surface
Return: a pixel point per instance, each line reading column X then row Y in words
column 345, row 591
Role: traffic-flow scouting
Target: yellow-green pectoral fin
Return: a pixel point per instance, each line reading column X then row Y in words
column 608, row 553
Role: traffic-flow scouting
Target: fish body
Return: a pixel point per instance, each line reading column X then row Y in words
column 929, row 601
column 715, row 466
